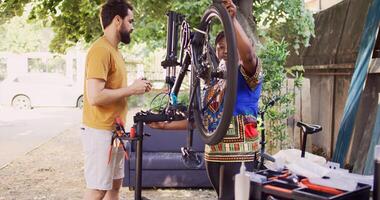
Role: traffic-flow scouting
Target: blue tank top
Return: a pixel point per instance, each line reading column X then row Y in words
column 247, row 99
column 247, row 102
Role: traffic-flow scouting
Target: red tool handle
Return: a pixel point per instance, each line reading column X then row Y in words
column 320, row 188
column 132, row 133
column 119, row 121
column 278, row 189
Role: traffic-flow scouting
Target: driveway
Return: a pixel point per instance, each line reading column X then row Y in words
column 23, row 130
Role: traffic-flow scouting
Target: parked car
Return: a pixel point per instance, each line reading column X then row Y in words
column 26, row 91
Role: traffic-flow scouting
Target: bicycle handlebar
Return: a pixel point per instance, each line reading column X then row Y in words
column 273, row 101
column 269, row 104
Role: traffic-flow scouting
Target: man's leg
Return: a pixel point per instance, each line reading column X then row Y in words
column 118, row 174
column 98, row 171
column 113, row 194
column 91, row 194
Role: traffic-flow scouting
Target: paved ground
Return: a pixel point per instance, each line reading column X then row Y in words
column 23, row 130
column 54, row 170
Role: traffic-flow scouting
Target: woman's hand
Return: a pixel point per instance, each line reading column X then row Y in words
column 231, row 7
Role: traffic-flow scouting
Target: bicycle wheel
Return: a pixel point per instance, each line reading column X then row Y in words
column 214, row 84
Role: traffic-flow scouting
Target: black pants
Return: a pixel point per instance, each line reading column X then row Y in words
column 221, row 175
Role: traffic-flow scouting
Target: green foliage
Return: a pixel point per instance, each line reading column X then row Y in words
column 296, row 72
column 11, row 8
column 76, row 21
column 151, row 21
column 71, row 20
column 273, row 56
column 276, row 17
column 19, row 36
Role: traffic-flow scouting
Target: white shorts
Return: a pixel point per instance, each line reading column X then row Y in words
column 98, row 171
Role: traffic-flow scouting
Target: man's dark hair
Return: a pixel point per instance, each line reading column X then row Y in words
column 219, row 37
column 112, row 8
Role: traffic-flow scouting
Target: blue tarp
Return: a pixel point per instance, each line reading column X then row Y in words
column 359, row 77
column 369, row 165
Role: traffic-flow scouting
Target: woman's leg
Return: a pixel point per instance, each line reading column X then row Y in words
column 212, row 169
column 228, row 172
column 221, row 176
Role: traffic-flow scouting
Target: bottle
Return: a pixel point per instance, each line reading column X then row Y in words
column 242, row 184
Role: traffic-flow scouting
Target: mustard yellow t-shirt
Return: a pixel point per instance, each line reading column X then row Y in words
column 104, row 62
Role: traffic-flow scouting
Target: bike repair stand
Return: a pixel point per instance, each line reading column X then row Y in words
column 139, row 127
column 139, row 119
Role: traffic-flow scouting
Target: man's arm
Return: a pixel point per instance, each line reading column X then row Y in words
column 98, row 95
column 245, row 47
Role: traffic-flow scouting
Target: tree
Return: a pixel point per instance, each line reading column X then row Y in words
column 74, row 21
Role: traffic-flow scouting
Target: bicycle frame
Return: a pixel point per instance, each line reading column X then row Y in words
column 176, row 22
column 170, row 63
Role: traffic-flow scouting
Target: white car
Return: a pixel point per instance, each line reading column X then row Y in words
column 29, row 90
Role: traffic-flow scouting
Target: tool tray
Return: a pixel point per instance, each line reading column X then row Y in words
column 276, row 187
column 361, row 193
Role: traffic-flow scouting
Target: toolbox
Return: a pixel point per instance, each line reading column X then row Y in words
column 278, row 187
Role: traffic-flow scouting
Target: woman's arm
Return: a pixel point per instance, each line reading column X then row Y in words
column 245, row 47
column 174, row 125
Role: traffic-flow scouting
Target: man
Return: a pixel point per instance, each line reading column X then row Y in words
column 105, row 96
column 223, row 160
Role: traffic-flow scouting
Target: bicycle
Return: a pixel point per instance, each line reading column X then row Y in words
column 197, row 55
column 197, row 51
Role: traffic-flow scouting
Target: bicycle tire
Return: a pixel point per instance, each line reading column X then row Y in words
column 216, row 10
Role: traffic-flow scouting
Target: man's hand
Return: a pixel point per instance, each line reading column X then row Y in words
column 140, row 86
column 231, row 7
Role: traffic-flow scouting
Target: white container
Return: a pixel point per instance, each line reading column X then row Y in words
column 242, row 184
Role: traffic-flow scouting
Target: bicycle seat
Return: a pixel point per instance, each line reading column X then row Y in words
column 309, row 128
